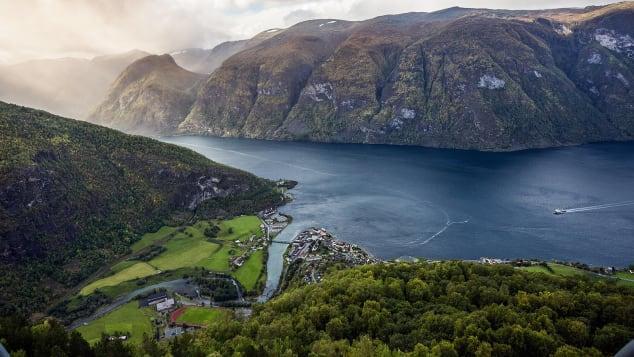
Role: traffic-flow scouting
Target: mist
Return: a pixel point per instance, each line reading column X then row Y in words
column 32, row 29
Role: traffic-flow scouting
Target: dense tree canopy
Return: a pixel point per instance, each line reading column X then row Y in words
column 440, row 309
column 448, row 309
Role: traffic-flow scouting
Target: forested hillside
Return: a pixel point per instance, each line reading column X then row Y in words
column 74, row 195
column 401, row 309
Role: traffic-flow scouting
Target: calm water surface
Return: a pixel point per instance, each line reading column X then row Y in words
column 408, row 201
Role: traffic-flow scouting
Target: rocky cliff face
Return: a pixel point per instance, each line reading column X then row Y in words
column 459, row 78
column 152, row 96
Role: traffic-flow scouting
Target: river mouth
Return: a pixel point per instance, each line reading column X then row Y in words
column 449, row 204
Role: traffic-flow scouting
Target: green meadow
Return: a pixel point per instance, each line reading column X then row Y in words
column 185, row 249
column 136, row 271
column 128, row 319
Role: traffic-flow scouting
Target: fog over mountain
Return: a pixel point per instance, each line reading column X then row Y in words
column 35, row 29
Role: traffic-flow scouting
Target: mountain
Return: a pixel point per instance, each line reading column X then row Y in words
column 74, row 196
column 66, row 86
column 457, row 78
column 207, row 60
column 152, row 95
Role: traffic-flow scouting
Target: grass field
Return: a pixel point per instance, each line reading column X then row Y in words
column 123, row 265
column 128, row 318
column 183, row 251
column 201, row 315
column 136, row 271
column 243, row 228
column 249, row 273
column 150, row 238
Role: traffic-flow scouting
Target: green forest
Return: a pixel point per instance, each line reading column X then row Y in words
column 396, row 309
column 76, row 196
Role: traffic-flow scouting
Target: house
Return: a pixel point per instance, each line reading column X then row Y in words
column 153, row 299
column 238, row 261
column 165, row 305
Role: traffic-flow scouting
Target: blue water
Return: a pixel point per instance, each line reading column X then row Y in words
column 409, row 201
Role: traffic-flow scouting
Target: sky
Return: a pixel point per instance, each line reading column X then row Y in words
column 32, row 29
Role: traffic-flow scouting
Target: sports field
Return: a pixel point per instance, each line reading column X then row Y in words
column 198, row 315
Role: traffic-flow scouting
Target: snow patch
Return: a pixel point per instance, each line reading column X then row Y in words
column 614, row 41
column 491, row 82
column 331, row 22
column 563, row 30
column 623, row 80
column 537, row 74
column 271, row 30
column 407, row 113
column 396, row 123
column 318, row 90
column 595, row 58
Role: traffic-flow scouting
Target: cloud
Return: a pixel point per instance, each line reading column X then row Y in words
column 300, row 15
column 56, row 28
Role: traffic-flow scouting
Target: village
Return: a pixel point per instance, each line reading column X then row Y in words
column 314, row 250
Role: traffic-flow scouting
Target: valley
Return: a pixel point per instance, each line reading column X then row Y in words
column 356, row 179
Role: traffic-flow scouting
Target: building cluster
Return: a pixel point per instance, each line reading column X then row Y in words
column 273, row 222
column 493, row 261
column 315, row 249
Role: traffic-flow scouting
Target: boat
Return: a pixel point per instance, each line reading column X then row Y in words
column 559, row 211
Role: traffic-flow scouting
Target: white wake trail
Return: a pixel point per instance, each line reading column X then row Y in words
column 596, row 207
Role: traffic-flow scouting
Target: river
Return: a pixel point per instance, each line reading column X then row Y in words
column 441, row 204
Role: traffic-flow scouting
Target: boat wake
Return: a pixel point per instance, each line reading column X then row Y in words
column 597, row 207
column 448, row 223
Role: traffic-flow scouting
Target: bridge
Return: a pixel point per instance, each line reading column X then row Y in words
column 281, row 241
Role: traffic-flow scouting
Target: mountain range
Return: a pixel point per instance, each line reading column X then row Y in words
column 456, row 78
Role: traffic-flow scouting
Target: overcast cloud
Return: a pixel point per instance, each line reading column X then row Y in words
column 32, row 29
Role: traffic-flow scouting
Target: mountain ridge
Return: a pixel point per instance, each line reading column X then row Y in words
column 494, row 80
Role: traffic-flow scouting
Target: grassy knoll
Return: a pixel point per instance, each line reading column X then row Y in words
column 241, row 228
column 201, row 315
column 128, row 318
column 136, row 271
column 249, row 273
column 149, row 239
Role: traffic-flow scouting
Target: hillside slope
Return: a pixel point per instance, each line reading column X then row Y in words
column 152, row 95
column 458, row 78
column 439, row 309
column 69, row 87
column 74, row 195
